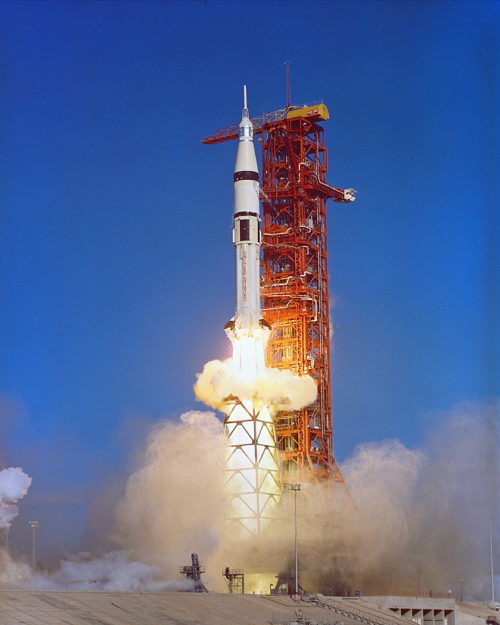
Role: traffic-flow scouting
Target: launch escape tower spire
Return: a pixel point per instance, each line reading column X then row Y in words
column 294, row 270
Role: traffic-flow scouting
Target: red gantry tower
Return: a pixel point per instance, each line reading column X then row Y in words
column 294, row 280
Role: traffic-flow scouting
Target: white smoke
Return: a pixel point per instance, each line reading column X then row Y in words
column 13, row 574
column 421, row 517
column 14, row 484
column 120, row 570
column 114, row 571
column 279, row 389
column 173, row 503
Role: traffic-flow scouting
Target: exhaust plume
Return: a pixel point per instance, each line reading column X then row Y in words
column 278, row 389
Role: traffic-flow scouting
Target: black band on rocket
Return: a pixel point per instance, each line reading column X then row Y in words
column 246, row 175
column 244, row 214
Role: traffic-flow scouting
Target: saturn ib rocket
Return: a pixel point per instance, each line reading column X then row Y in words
column 247, row 322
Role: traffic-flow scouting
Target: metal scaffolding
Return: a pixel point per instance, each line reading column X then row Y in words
column 295, row 285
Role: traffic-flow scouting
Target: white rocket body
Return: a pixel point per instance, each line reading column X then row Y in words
column 246, row 234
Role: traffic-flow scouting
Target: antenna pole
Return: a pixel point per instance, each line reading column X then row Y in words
column 288, row 85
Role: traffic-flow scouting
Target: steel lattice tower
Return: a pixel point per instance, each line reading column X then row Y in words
column 295, row 285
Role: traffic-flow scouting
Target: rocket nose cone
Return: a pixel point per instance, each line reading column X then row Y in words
column 245, row 157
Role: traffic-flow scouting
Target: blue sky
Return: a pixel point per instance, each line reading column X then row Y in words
column 116, row 268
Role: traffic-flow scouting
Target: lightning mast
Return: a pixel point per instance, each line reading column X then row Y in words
column 294, row 269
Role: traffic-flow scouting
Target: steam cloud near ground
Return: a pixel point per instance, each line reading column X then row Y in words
column 115, row 571
column 421, row 523
column 112, row 571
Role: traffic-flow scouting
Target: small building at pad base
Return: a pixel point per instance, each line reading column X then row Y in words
column 422, row 610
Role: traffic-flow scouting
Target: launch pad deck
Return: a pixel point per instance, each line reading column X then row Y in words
column 155, row 608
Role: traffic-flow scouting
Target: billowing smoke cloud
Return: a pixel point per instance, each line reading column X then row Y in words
column 14, row 485
column 277, row 388
column 173, row 503
column 172, row 506
column 421, row 519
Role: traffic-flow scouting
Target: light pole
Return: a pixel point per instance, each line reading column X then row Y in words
column 295, row 488
column 491, row 565
column 462, row 580
column 34, row 526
